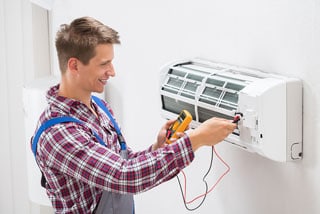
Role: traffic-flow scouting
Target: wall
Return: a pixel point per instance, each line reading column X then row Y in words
column 12, row 152
column 24, row 55
column 274, row 36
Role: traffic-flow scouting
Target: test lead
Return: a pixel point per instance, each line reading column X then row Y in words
column 236, row 118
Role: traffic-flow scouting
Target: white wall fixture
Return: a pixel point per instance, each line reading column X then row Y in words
column 34, row 102
column 47, row 4
column 270, row 105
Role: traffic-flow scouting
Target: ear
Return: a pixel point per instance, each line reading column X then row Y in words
column 73, row 65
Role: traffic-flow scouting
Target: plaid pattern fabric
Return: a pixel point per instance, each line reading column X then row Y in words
column 77, row 168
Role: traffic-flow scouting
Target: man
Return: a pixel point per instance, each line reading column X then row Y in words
column 83, row 176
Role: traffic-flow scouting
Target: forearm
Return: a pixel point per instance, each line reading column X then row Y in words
column 150, row 169
column 160, row 165
column 132, row 154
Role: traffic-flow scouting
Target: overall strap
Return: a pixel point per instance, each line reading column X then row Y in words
column 55, row 121
column 105, row 109
column 115, row 124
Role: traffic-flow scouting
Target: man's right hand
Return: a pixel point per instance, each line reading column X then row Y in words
column 211, row 132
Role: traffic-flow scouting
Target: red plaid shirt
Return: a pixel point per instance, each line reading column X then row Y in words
column 77, row 168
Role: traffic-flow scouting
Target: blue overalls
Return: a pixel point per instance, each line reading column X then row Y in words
column 110, row 203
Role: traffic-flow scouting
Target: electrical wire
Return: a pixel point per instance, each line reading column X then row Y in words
column 204, row 195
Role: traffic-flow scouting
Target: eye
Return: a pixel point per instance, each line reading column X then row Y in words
column 105, row 63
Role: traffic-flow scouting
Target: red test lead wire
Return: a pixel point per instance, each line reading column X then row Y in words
column 213, row 187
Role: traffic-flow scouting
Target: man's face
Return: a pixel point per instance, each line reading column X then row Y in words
column 93, row 76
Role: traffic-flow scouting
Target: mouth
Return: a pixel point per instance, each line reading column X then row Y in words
column 103, row 81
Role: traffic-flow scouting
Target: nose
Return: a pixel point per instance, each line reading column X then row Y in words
column 110, row 71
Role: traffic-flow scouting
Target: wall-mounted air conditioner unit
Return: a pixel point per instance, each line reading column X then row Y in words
column 270, row 104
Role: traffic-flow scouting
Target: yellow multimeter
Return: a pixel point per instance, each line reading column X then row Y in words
column 180, row 125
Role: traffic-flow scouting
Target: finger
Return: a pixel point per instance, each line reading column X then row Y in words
column 180, row 134
column 169, row 123
column 173, row 139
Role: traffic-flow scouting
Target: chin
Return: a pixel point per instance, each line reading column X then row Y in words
column 99, row 90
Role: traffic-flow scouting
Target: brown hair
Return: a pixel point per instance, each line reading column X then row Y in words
column 80, row 38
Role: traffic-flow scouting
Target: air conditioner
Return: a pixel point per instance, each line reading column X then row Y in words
column 270, row 105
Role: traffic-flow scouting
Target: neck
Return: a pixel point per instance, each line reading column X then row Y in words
column 69, row 93
column 73, row 92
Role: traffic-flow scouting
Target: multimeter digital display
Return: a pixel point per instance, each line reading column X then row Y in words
column 180, row 125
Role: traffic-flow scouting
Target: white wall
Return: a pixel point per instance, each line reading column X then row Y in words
column 24, row 55
column 275, row 36
column 13, row 196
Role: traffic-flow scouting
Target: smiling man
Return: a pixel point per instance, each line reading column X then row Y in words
column 86, row 165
